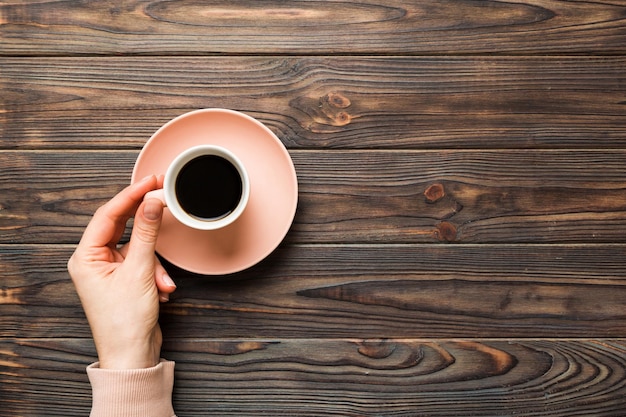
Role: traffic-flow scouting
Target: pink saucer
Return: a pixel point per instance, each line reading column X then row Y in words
column 273, row 191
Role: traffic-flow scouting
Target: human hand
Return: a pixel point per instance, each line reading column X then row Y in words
column 120, row 288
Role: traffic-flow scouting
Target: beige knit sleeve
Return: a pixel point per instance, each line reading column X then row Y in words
column 133, row 392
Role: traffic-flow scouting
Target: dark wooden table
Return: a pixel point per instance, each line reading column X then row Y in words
column 459, row 247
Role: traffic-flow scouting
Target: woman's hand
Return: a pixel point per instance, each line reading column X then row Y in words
column 120, row 288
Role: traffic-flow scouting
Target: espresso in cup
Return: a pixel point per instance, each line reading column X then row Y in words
column 206, row 187
column 209, row 187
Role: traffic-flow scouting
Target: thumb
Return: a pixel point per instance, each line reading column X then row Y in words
column 143, row 238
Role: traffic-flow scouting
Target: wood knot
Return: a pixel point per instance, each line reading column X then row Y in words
column 342, row 118
column 446, row 231
column 338, row 100
column 333, row 101
column 376, row 349
column 434, row 193
column 326, row 110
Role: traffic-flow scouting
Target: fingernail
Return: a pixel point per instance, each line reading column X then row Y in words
column 168, row 281
column 146, row 179
column 153, row 209
column 164, row 298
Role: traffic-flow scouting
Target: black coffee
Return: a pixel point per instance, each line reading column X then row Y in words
column 209, row 187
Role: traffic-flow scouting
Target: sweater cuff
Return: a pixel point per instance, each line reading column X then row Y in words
column 132, row 392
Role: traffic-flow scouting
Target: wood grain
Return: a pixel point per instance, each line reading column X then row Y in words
column 367, row 291
column 459, row 245
column 321, row 102
column 316, row 27
column 348, row 377
column 360, row 196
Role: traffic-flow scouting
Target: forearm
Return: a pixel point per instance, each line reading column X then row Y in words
column 132, row 393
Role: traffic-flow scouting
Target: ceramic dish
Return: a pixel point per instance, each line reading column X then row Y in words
column 273, row 191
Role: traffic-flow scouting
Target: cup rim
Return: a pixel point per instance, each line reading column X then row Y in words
column 169, row 189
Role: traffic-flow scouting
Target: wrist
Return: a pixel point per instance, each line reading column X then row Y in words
column 126, row 363
column 145, row 354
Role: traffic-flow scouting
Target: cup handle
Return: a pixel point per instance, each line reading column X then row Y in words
column 158, row 194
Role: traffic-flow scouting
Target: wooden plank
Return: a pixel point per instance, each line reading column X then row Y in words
column 316, row 27
column 360, row 196
column 367, row 291
column 314, row 102
column 348, row 377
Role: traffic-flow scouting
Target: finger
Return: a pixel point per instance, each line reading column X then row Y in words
column 164, row 283
column 123, row 250
column 144, row 235
column 109, row 221
column 159, row 273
